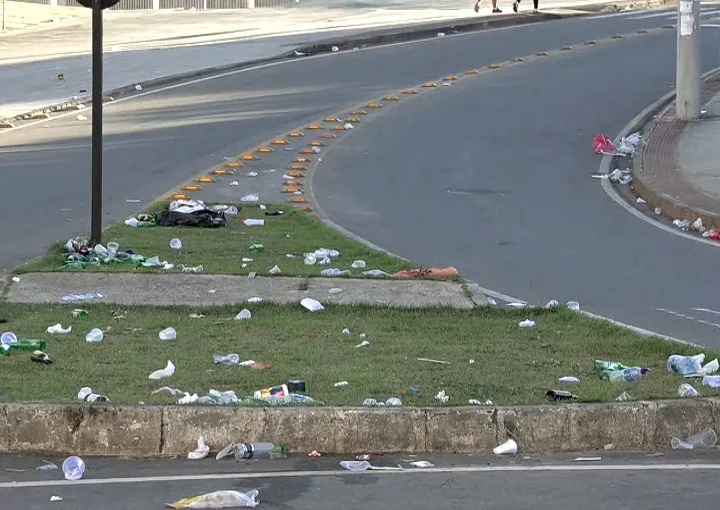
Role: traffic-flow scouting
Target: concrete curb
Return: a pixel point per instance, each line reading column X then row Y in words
column 371, row 38
column 655, row 196
column 173, row 430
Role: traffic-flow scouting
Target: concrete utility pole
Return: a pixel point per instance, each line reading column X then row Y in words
column 3, row 15
column 687, row 79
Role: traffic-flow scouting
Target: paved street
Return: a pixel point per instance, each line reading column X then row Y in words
column 541, row 227
column 634, row 481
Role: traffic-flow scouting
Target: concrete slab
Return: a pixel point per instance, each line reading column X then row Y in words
column 162, row 290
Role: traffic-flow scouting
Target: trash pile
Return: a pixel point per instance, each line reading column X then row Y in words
column 186, row 213
column 79, row 255
column 626, row 147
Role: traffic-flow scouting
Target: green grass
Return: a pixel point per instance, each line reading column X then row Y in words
column 512, row 365
column 220, row 250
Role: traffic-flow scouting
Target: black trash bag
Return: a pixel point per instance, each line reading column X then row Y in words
column 202, row 218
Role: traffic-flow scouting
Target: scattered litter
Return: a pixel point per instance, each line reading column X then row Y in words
column 474, row 402
column 517, row 305
column 363, row 465
column 334, row 49
column 231, row 359
column 363, row 343
column 234, row 183
column 569, row 380
column 314, row 454
column 252, row 174
column 687, row 391
column 331, row 272
column 440, row 34
column 617, row 175
column 335, row 290
column 552, row 304
column 442, row 397
column 249, row 222
column 691, row 366
column 173, row 391
column 704, row 439
column 608, row 447
column 255, row 299
column 219, row 499
column 201, row 451
column 312, row 305
column 16, row 279
column 86, row 394
column 376, row 273
column 362, row 456
column 73, row 468
column 624, row 397
column 167, row 334
column 658, row 211
column 73, row 298
column 559, row 395
column 341, row 384
column 275, row 270
column 244, row 314
column 251, row 198
column 40, row 357
column 393, row 402
column 711, row 380
column 55, row 499
column 587, row 459
column 433, row 272
column 346, row 331
column 138, row 87
column 168, row 371
column 95, row 336
column 573, row 306
column 176, row 244
column 527, row 323
column 57, row 329
column 640, row 200
column 197, row 316
column 81, row 117
column 256, row 248
column 359, row 264
column 422, row 464
column 47, row 466
column 509, row 447
column 433, row 361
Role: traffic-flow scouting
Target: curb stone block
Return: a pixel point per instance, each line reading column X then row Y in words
column 388, row 431
column 5, row 429
column 628, row 426
column 220, row 426
column 116, row 430
column 683, row 421
column 461, row 430
column 303, row 430
column 537, row 429
column 38, row 429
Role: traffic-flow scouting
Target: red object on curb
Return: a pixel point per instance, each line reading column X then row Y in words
column 314, row 454
column 715, row 236
column 603, row 145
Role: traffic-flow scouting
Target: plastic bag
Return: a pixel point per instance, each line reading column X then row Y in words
column 219, row 499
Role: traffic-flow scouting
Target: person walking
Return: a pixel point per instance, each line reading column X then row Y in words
column 516, row 4
column 495, row 7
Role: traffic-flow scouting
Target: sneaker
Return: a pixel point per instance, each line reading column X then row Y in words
column 477, row 6
column 496, row 11
column 515, row 6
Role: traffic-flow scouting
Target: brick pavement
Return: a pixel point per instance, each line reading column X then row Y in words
column 658, row 175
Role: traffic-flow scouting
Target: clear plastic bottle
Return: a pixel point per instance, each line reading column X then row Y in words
column 628, row 375
column 251, row 450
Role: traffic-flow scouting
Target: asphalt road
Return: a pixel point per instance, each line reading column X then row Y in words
column 528, row 221
column 464, row 483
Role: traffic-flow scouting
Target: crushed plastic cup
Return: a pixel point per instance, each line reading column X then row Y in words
column 176, row 244
column 527, row 323
column 244, row 314
column 355, row 465
column 687, row 391
column 201, row 451
column 312, row 305
column 112, row 249
column 167, row 334
column 168, row 371
column 704, row 439
column 73, row 468
column 573, row 306
column 8, row 338
column 509, row 447
column 95, row 336
column 359, row 264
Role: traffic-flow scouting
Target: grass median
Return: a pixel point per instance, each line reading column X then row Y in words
column 512, row 365
column 221, row 250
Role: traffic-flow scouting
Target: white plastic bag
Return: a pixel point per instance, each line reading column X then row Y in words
column 219, row 499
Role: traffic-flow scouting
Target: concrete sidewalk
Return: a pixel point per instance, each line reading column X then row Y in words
column 175, row 289
column 149, row 45
column 678, row 169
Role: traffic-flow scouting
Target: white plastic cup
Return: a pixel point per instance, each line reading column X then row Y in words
column 112, row 249
column 176, row 244
column 8, row 338
column 73, row 468
column 509, row 447
column 167, row 334
column 95, row 336
column 704, row 439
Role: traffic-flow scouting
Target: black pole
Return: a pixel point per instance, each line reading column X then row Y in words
column 97, row 120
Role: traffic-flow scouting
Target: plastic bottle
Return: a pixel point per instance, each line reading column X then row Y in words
column 22, row 345
column 628, row 375
column 74, row 468
column 250, row 450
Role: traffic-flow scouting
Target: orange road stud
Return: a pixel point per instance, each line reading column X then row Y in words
column 206, row 180
column 353, row 120
column 295, row 134
column 409, row 91
column 590, row 43
column 495, row 66
column 542, row 54
column 233, row 164
column 306, row 209
column 358, row 112
column 221, row 171
column 302, row 160
column 374, row 105
column 471, row 72
column 429, row 85
column 179, row 196
column 297, row 166
column 280, row 141
column 249, row 157
column 518, row 59
column 291, row 190
column 295, row 174
column 450, row 78
column 327, row 135
column 264, row 150
column 668, row 26
column 317, row 143
column 617, row 36
column 642, row 31
column 567, row 47
column 314, row 126
column 331, row 119
column 391, row 98
column 307, row 151
column 298, row 200
column 191, row 187
column 338, row 128
column 292, row 182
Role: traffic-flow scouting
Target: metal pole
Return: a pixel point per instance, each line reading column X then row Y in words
column 97, row 120
column 3, row 15
column 687, row 80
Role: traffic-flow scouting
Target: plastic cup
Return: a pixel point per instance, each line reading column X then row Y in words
column 509, row 447
column 167, row 334
column 705, row 439
column 176, row 244
column 8, row 338
column 95, row 336
column 112, row 249
column 73, row 468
